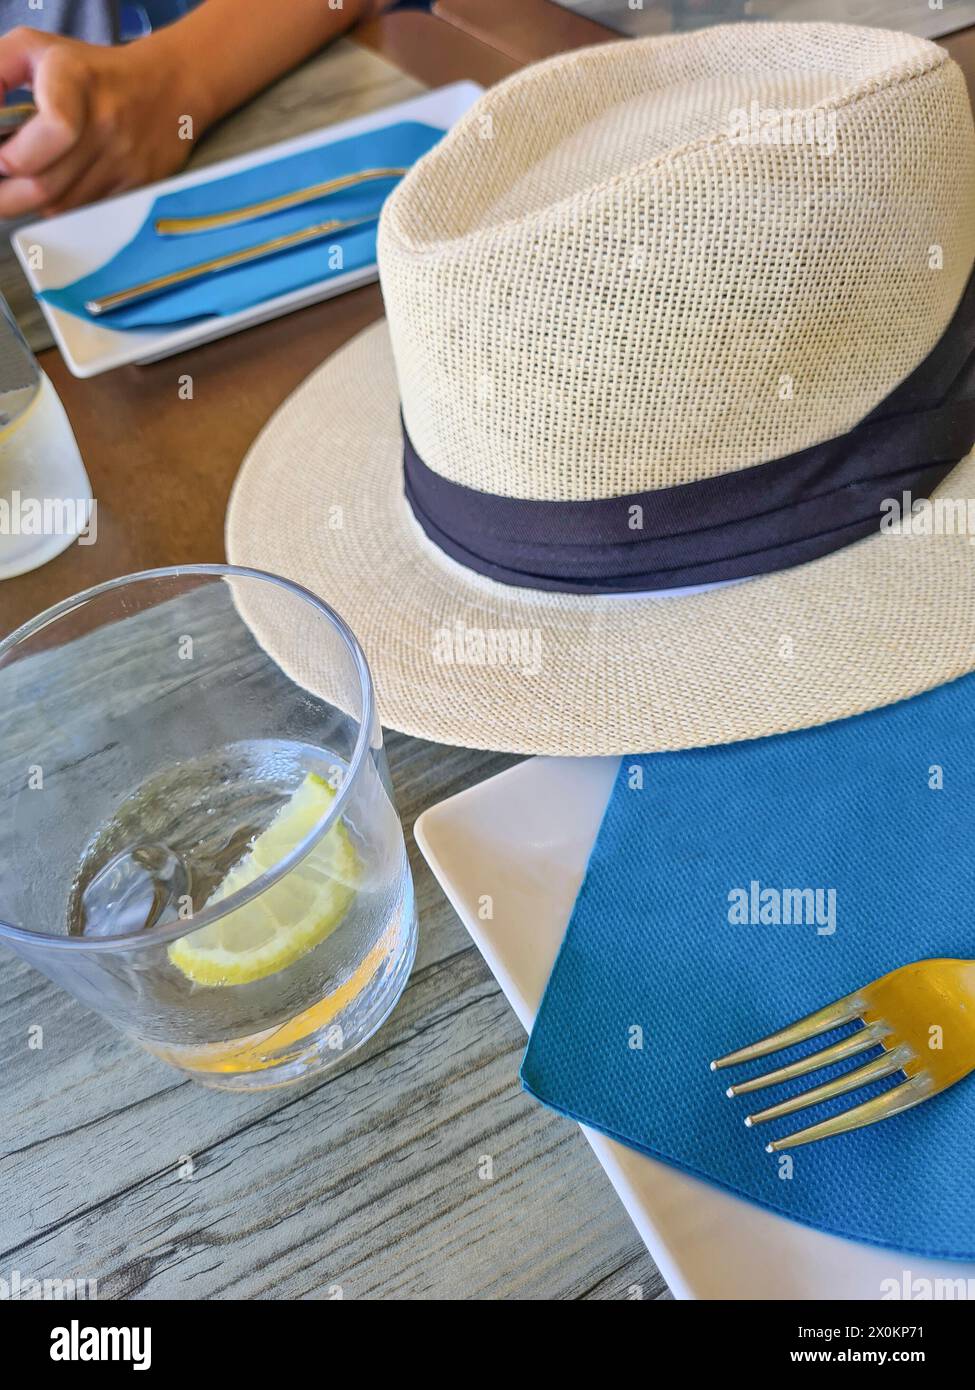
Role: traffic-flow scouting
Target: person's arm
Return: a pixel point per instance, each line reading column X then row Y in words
column 113, row 118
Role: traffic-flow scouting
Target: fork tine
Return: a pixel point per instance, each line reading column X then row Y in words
column 892, row 1102
column 832, row 1016
column 849, row 1081
column 825, row 1057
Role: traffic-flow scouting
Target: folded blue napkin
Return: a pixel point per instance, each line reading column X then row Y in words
column 148, row 254
column 877, row 812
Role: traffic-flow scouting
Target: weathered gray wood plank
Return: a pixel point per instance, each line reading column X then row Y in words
column 373, row 1179
column 377, row 1175
column 368, row 1179
column 342, row 81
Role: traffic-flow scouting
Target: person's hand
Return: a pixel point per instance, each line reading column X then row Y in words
column 107, row 119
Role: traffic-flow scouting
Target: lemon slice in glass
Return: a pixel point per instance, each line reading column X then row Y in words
column 287, row 919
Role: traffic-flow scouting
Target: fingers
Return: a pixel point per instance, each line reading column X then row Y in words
column 50, row 191
column 18, row 197
column 20, row 51
column 59, row 95
column 99, row 180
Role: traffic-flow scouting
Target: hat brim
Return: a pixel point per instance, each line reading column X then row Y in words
column 460, row 659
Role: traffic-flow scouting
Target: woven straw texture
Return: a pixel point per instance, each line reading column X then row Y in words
column 596, row 286
column 319, row 499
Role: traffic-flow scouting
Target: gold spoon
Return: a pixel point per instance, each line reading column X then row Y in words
column 210, row 221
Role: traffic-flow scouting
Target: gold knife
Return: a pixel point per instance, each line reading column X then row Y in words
column 106, row 302
column 209, row 221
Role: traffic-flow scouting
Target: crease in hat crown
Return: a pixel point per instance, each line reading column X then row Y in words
column 593, row 291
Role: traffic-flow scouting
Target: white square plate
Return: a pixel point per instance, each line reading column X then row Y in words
column 59, row 250
column 525, row 838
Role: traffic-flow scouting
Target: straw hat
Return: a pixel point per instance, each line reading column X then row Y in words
column 670, row 323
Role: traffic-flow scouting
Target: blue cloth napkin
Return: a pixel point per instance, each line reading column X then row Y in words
column 148, row 254
column 880, row 809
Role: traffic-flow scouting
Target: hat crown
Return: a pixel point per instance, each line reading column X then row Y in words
column 660, row 261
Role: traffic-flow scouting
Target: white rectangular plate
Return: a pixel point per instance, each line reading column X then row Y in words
column 59, row 250
column 528, row 834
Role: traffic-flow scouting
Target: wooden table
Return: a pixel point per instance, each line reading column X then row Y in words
column 113, row 1167
column 526, row 30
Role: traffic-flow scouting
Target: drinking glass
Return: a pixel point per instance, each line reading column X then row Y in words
column 45, row 496
column 197, row 834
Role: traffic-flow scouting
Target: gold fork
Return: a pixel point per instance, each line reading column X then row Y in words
column 922, row 1015
column 210, row 221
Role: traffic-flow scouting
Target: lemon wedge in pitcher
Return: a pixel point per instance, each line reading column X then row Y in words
column 290, row 917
